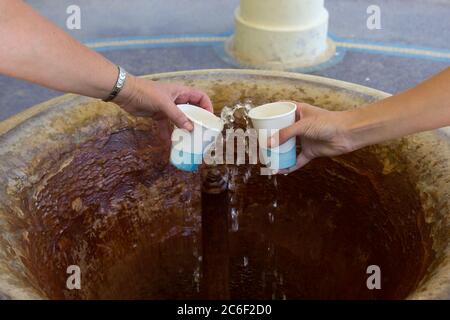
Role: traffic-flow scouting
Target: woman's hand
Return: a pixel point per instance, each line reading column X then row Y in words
column 322, row 133
column 158, row 100
column 34, row 49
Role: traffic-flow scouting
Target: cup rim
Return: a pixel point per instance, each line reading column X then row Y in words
column 205, row 112
column 293, row 110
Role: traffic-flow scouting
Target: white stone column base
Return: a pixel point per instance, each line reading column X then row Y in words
column 280, row 48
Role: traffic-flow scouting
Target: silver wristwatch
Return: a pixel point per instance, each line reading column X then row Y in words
column 119, row 84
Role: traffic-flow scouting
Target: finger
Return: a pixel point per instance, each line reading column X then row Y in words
column 299, row 112
column 205, row 102
column 302, row 160
column 178, row 117
column 195, row 97
column 303, row 110
column 285, row 134
column 308, row 110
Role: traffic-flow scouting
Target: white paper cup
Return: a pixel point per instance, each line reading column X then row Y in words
column 188, row 147
column 268, row 119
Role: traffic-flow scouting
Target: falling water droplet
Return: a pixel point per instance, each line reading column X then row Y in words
column 234, row 220
column 196, row 278
column 247, row 175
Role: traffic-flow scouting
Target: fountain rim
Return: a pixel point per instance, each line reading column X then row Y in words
column 7, row 126
column 15, row 120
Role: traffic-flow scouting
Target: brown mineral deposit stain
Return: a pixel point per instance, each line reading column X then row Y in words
column 133, row 223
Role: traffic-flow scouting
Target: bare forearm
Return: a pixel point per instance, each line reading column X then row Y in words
column 422, row 108
column 33, row 49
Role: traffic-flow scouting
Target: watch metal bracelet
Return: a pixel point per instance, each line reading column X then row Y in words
column 119, row 84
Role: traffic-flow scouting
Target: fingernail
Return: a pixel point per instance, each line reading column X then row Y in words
column 188, row 126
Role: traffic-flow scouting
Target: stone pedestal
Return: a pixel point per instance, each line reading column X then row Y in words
column 281, row 34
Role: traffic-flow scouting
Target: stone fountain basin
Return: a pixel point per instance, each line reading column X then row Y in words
column 46, row 187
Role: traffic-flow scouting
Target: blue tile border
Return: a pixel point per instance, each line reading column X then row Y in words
column 343, row 45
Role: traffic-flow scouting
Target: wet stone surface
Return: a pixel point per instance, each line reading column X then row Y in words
column 139, row 228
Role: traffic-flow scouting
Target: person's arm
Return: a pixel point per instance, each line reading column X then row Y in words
column 422, row 108
column 327, row 133
column 35, row 50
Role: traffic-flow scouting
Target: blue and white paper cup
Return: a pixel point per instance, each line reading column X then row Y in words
column 268, row 119
column 188, row 147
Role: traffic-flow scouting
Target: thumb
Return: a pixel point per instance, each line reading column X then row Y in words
column 178, row 117
column 302, row 161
